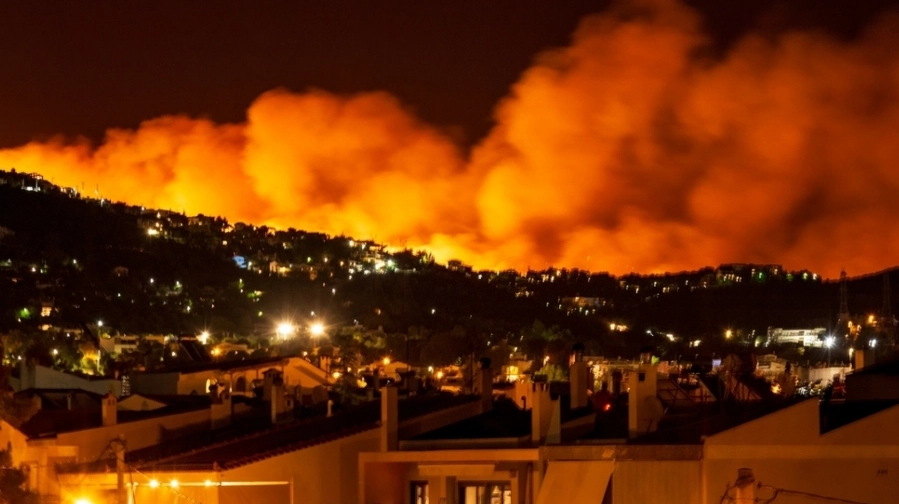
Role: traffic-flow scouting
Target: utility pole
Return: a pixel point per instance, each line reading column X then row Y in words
column 121, row 494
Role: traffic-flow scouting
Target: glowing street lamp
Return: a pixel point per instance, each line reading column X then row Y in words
column 204, row 337
column 829, row 341
column 285, row 329
column 317, row 329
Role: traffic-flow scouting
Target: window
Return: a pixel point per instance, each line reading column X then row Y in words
column 485, row 493
column 419, row 492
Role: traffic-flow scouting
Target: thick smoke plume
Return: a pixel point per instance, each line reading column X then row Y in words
column 630, row 150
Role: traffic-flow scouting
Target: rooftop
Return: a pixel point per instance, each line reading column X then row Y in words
column 52, row 421
column 227, row 450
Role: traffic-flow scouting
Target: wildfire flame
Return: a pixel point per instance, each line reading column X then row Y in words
column 630, row 149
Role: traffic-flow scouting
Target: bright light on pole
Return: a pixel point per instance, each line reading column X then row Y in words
column 317, row 329
column 204, row 337
column 829, row 341
column 285, row 329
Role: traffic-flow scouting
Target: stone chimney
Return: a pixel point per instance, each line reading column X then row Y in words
column 644, row 409
column 220, row 410
column 543, row 409
column 578, row 378
column 389, row 418
column 484, row 385
column 109, row 410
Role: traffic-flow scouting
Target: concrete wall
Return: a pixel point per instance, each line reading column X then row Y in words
column 139, row 434
column 858, row 462
column 323, row 474
column 154, row 383
column 871, row 386
column 656, row 482
column 48, row 378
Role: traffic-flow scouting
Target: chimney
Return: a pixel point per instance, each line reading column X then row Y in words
column 220, row 410
column 578, row 378
column 389, row 418
column 485, row 385
column 270, row 378
column 109, row 410
column 643, row 409
column 523, row 392
column 543, row 408
column 278, row 401
column 744, row 486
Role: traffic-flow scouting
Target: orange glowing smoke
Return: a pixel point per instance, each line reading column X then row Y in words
column 624, row 152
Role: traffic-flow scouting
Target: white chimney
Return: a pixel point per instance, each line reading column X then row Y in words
column 543, row 409
column 109, row 410
column 644, row 409
column 744, row 486
column 389, row 418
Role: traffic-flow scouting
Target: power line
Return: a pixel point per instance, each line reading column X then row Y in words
column 778, row 491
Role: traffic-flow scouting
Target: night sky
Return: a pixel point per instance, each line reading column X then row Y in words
column 455, row 102
column 77, row 68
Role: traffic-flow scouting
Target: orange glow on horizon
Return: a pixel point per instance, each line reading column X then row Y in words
column 625, row 151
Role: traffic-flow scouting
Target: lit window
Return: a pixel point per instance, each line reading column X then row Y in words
column 419, row 492
column 485, row 493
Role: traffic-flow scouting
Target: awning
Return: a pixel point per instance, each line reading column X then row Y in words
column 580, row 482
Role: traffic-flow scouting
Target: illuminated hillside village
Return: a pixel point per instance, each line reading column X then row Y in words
column 154, row 356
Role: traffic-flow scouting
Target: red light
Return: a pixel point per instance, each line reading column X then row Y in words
column 607, row 407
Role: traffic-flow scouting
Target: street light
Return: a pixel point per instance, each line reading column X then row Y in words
column 204, row 337
column 285, row 329
column 317, row 329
